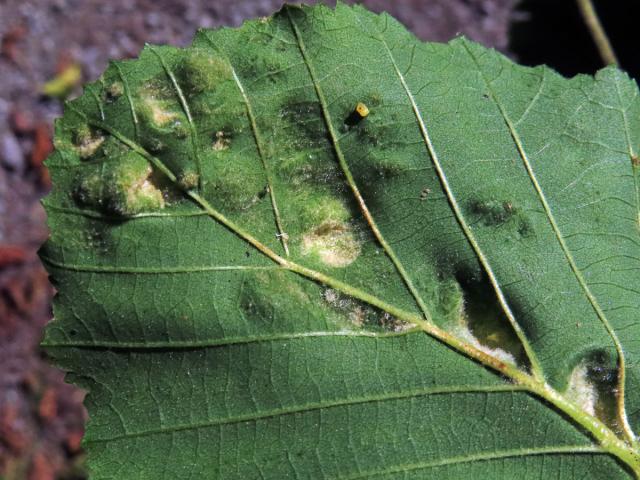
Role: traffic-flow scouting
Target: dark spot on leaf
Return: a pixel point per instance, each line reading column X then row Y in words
column 305, row 124
column 375, row 99
column 153, row 144
column 485, row 317
column 492, row 212
column 602, row 373
column 263, row 193
column 98, row 235
column 525, row 230
column 113, row 91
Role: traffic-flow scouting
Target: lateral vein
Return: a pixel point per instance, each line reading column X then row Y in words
column 265, row 165
column 481, row 457
column 482, row 389
column 535, row 364
column 620, row 393
column 185, row 107
column 349, row 177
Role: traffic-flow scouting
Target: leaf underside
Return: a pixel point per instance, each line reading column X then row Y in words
column 315, row 247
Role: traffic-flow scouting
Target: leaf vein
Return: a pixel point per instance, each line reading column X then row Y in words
column 620, row 399
column 310, row 407
column 481, row 457
column 127, row 92
column 185, row 106
column 265, row 164
column 535, row 365
column 349, row 177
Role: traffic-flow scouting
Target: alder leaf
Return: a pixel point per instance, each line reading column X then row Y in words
column 315, row 247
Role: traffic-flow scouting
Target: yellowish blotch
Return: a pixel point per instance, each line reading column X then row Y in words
column 156, row 108
column 324, row 209
column 221, row 142
column 188, row 180
column 333, row 242
column 142, row 194
column 87, row 142
column 200, row 72
column 284, row 281
column 581, row 390
column 126, row 188
column 114, row 91
column 159, row 114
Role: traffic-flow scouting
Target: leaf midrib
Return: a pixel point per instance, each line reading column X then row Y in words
column 154, row 270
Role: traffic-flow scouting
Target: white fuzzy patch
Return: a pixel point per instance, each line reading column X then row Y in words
column 334, row 242
column 160, row 116
column 221, row 142
column 90, row 145
column 358, row 313
column 581, row 390
column 463, row 332
column 144, row 191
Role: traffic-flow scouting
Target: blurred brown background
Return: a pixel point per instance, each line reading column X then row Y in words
column 48, row 47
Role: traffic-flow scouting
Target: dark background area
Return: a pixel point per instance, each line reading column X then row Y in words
column 552, row 32
column 41, row 418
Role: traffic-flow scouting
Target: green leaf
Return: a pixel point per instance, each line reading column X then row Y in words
column 314, row 247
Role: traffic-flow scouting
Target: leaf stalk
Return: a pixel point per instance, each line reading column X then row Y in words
column 597, row 32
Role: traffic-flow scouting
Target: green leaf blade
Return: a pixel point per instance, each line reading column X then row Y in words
column 257, row 417
column 254, row 281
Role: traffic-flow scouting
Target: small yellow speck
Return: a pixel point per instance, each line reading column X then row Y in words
column 362, row 109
